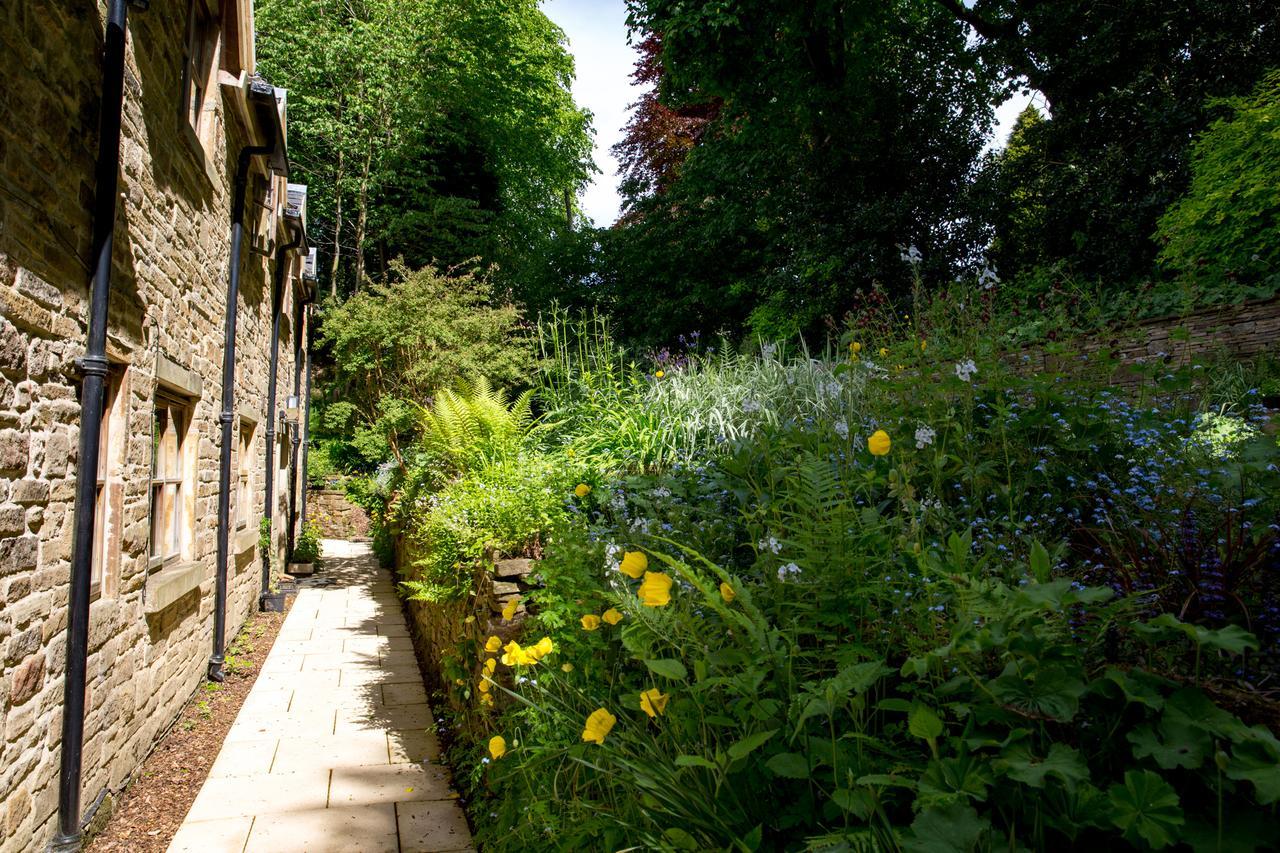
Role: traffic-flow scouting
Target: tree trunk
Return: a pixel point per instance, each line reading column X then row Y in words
column 337, row 226
column 362, row 216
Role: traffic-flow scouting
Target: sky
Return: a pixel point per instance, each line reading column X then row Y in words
column 597, row 31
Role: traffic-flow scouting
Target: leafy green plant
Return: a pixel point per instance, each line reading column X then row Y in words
column 306, row 548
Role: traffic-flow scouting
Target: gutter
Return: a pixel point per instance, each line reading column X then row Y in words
column 93, row 367
column 293, row 222
column 259, row 99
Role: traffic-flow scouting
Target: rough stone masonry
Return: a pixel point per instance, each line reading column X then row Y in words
column 151, row 616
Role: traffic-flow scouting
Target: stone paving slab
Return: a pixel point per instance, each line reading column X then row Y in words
column 333, row 748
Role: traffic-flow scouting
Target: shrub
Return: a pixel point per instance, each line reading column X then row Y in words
column 306, row 548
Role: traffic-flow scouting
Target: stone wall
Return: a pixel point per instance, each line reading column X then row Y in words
column 1231, row 332
column 336, row 515
column 150, row 630
column 448, row 636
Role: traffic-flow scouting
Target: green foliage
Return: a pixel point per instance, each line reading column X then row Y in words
column 433, row 131
column 306, row 548
column 1225, row 226
column 396, row 344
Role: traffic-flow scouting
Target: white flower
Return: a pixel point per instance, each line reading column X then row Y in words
column 787, row 571
column 612, row 556
column 830, row 388
column 988, row 278
column 642, row 525
column 911, row 255
column 661, row 492
column 924, row 437
column 770, row 544
column 619, row 502
column 768, row 350
column 965, row 369
column 842, row 429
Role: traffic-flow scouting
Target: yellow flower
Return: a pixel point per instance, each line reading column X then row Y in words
column 483, row 686
column 566, row 667
column 492, row 644
column 486, row 698
column 612, row 616
column 516, row 656
column 509, row 611
column 660, row 374
column 497, row 747
column 855, row 348
column 923, row 344
column 489, row 666
column 633, row 564
column 656, row 589
column 653, row 702
column 542, row 648
column 569, row 452
column 879, row 443
column 582, row 490
column 469, row 620
column 884, row 351
column 599, row 724
column 459, row 682
column 590, row 622
column 727, row 593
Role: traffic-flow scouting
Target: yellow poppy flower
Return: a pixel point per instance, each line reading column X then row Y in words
column 727, row 593
column 483, row 686
column 497, row 747
column 486, row 698
column 509, row 611
column 582, row 490
column 855, row 348
column 492, row 644
column 489, row 666
column 516, row 656
column 590, row 622
column 566, row 667
column 653, row 702
column 542, row 648
column 879, row 443
column 633, row 564
column 599, row 724
column 612, row 616
column 884, row 351
column 656, row 589
column 660, row 374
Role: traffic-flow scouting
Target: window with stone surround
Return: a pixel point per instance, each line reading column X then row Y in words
column 170, row 480
column 109, row 497
column 198, row 65
column 244, row 487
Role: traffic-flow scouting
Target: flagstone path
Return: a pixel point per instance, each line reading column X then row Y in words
column 333, row 749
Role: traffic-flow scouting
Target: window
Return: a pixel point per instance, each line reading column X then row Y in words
column 244, row 487
column 169, row 491
column 109, row 495
column 201, row 45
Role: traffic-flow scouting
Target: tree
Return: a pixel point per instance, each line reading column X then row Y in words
column 1225, row 226
column 1129, row 84
column 395, row 344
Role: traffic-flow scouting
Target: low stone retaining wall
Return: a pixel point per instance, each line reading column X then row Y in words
column 450, row 636
column 337, row 516
column 1234, row 331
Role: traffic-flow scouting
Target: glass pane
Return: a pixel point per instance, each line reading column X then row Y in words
column 157, row 526
column 173, row 509
column 157, row 431
column 99, row 525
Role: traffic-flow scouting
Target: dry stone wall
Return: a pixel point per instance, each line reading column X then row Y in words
column 337, row 516
column 167, row 312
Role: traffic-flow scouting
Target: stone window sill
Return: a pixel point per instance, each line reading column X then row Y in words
column 246, row 539
column 170, row 584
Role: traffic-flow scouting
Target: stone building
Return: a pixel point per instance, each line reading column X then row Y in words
column 190, row 105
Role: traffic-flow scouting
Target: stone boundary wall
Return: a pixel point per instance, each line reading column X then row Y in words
column 1234, row 331
column 337, row 516
column 450, row 636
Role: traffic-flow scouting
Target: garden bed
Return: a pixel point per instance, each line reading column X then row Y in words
column 152, row 807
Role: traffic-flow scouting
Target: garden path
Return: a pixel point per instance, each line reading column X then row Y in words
column 333, row 749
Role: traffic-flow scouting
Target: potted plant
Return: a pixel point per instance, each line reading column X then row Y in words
column 306, row 550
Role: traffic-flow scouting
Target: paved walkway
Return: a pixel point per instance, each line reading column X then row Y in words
column 333, row 749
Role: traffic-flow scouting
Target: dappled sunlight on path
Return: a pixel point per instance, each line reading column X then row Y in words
column 333, row 749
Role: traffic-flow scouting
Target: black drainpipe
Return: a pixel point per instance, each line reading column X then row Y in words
column 268, row 513
column 306, row 413
column 93, row 368
column 297, row 429
column 228, row 407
